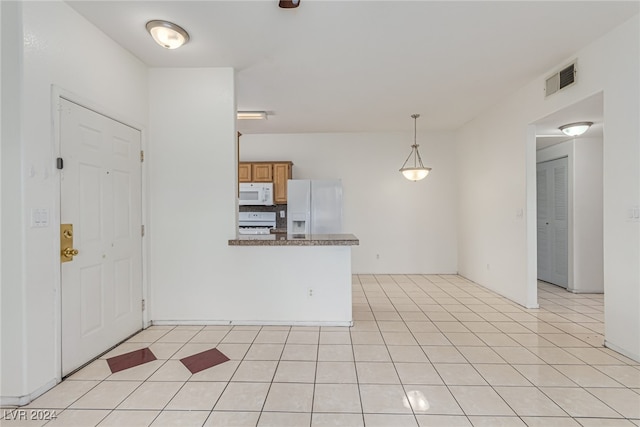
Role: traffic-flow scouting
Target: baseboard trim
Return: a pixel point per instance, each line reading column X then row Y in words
column 15, row 401
column 248, row 323
column 585, row 291
column 623, row 352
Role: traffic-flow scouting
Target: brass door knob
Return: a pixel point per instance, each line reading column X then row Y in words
column 69, row 252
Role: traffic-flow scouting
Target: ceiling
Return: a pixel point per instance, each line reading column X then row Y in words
column 364, row 66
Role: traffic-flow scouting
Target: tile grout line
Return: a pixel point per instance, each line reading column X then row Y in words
column 353, row 352
column 266, row 396
column 315, row 377
column 438, row 373
column 481, row 376
column 191, row 376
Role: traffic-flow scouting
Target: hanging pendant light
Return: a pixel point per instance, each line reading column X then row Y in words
column 415, row 170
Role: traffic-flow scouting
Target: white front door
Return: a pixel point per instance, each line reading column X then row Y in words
column 553, row 215
column 101, row 196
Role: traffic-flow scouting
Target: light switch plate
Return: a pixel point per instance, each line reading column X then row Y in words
column 39, row 217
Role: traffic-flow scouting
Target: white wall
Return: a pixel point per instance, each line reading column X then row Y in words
column 496, row 161
column 586, row 269
column 492, row 196
column 410, row 225
column 11, row 296
column 82, row 61
column 192, row 192
column 588, row 247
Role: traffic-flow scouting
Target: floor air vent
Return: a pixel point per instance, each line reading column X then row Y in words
column 560, row 80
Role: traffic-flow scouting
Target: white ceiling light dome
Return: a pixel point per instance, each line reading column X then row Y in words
column 575, row 129
column 167, row 34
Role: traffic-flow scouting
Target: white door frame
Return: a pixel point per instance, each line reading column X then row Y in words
column 531, row 218
column 56, row 94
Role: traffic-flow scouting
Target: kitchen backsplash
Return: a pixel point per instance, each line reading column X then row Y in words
column 280, row 222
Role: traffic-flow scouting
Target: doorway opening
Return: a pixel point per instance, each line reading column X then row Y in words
column 569, row 199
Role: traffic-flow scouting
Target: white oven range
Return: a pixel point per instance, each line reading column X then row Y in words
column 256, row 222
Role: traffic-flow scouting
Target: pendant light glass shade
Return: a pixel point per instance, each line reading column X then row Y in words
column 575, row 129
column 415, row 174
column 167, row 34
column 414, row 170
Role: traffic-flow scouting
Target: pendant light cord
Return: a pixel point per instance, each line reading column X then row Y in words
column 414, row 148
column 410, row 154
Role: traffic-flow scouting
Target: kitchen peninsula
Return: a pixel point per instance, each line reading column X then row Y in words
column 305, row 280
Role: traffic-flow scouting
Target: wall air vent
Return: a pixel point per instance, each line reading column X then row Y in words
column 560, row 80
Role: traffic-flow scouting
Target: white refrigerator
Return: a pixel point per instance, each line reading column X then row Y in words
column 314, row 206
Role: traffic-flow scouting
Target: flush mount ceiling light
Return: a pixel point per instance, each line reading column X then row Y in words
column 252, row 115
column 289, row 4
column 167, row 34
column 575, row 129
column 415, row 170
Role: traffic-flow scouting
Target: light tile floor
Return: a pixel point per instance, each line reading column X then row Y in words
column 425, row 350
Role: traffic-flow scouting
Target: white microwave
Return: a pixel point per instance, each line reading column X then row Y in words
column 255, row 193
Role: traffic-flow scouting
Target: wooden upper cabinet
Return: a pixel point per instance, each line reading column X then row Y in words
column 262, row 172
column 276, row 172
column 244, row 172
column 281, row 173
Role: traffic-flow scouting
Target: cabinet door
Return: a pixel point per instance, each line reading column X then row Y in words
column 244, row 172
column 281, row 173
column 262, row 172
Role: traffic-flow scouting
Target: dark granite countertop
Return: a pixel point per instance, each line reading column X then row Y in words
column 282, row 239
column 278, row 231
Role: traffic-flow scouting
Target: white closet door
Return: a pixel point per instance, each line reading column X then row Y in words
column 553, row 216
